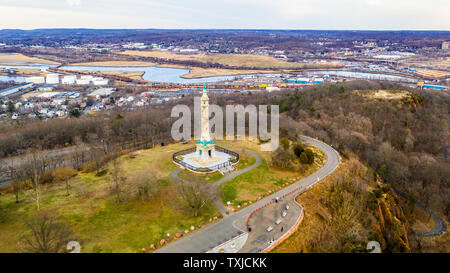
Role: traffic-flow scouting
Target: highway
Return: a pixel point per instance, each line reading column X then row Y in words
column 233, row 224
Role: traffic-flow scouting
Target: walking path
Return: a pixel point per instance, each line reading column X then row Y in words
column 440, row 226
column 234, row 224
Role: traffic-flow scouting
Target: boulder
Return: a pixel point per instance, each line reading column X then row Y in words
column 178, row 234
column 152, row 246
column 143, row 250
column 162, row 242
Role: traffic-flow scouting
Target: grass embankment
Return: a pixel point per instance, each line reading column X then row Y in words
column 97, row 219
column 115, row 64
column 346, row 211
column 198, row 72
column 19, row 59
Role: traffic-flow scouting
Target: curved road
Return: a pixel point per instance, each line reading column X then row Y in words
column 233, row 224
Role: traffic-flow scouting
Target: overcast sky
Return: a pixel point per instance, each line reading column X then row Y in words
column 257, row 14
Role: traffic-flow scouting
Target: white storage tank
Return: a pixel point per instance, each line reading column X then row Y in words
column 69, row 79
column 83, row 81
column 100, row 81
column 36, row 80
column 87, row 77
column 52, row 79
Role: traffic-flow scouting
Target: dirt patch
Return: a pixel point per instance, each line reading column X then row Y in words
column 385, row 95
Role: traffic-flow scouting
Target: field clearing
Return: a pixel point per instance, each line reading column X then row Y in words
column 101, row 223
column 19, row 59
column 440, row 62
column 242, row 60
column 196, row 72
column 433, row 73
column 135, row 75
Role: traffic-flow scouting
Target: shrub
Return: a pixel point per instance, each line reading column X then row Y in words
column 298, row 149
column 284, row 143
column 304, row 158
column 310, row 154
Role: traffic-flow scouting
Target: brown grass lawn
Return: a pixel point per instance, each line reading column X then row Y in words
column 102, row 224
column 225, row 59
column 98, row 220
column 17, row 58
column 114, row 63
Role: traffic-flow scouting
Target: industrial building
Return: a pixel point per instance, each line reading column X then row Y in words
column 36, row 80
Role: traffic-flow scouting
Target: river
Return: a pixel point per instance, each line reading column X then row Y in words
column 173, row 75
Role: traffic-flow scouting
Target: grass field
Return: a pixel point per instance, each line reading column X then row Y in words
column 197, row 72
column 135, row 75
column 114, row 63
column 19, row 59
column 101, row 223
column 25, row 72
column 433, row 73
column 243, row 60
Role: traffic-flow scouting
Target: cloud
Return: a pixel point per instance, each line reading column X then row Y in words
column 267, row 14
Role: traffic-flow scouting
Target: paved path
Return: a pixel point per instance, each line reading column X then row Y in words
column 234, row 224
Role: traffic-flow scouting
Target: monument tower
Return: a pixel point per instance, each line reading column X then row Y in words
column 205, row 144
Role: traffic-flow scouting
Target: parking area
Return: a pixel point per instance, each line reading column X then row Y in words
column 269, row 224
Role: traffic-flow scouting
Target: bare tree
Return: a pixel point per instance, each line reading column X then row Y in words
column 78, row 154
column 34, row 168
column 46, row 234
column 144, row 184
column 64, row 174
column 193, row 197
column 117, row 178
column 16, row 173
